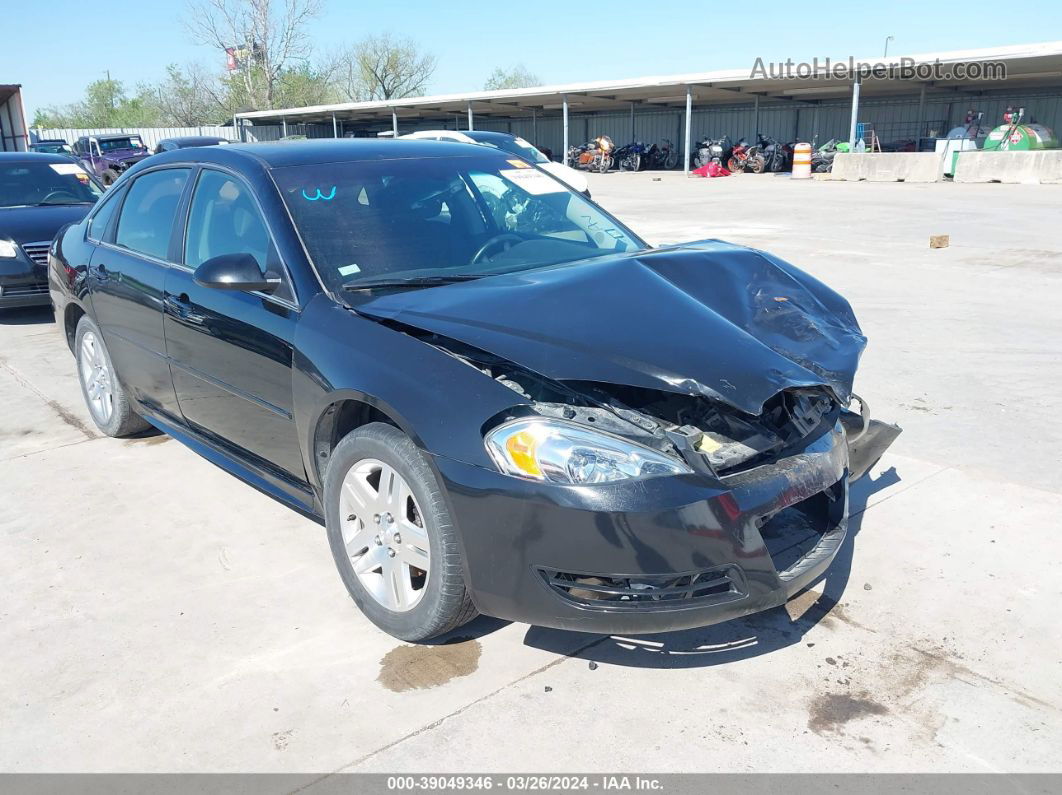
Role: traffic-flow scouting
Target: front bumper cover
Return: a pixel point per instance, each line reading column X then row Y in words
column 682, row 533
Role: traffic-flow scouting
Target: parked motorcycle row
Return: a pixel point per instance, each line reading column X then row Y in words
column 602, row 154
column 767, row 155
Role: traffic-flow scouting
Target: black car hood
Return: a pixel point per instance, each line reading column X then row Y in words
column 37, row 224
column 709, row 318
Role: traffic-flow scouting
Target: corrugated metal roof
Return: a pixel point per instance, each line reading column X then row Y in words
column 1027, row 65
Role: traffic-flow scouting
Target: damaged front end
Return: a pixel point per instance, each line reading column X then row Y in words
column 719, row 433
column 708, row 436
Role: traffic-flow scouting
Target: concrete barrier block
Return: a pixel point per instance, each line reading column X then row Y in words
column 887, row 166
column 1030, row 168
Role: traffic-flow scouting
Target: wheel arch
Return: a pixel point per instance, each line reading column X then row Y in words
column 72, row 314
column 342, row 413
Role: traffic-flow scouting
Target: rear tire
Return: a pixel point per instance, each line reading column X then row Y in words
column 381, row 569
column 105, row 397
column 735, row 166
column 756, row 164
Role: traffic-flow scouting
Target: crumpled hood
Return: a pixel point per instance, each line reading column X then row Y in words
column 708, row 318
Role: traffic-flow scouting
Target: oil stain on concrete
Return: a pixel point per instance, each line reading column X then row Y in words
column 422, row 667
column 830, row 712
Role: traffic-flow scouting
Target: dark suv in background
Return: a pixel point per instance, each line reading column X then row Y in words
column 107, row 156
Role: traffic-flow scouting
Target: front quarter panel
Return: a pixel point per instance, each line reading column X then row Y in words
column 438, row 401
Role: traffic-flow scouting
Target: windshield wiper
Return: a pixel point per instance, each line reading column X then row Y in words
column 411, row 281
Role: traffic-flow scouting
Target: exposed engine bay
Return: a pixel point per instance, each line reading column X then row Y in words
column 710, row 436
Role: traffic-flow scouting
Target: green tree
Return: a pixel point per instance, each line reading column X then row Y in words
column 515, row 77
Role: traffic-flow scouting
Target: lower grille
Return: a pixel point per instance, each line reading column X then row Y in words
column 794, row 532
column 38, row 252
column 641, row 592
column 23, row 290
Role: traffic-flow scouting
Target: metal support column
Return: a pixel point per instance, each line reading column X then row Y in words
column 284, row 127
column 534, row 127
column 632, row 122
column 335, row 127
column 394, row 123
column 855, row 114
column 470, row 124
column 756, row 117
column 921, row 118
column 689, row 115
column 564, row 113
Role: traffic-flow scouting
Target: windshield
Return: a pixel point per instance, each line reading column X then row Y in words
column 52, row 149
column 128, row 142
column 441, row 217
column 23, row 184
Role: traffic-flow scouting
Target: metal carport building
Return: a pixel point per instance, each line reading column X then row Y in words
column 823, row 102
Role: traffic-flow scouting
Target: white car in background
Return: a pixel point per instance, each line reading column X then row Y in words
column 509, row 143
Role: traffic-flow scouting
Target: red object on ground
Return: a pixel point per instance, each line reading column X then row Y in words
column 710, row 170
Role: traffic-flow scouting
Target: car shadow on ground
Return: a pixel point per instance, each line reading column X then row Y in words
column 735, row 640
column 26, row 316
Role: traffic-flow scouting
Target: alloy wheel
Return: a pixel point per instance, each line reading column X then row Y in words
column 96, row 378
column 384, row 534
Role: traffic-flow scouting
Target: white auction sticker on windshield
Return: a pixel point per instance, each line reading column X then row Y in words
column 67, row 168
column 532, row 181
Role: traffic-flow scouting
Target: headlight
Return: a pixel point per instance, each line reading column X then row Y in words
column 8, row 250
column 563, row 452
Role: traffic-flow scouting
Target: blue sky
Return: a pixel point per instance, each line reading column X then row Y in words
column 50, row 47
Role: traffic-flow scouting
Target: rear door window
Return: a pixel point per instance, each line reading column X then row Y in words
column 146, row 223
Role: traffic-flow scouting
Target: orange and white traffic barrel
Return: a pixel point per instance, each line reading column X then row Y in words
column 802, row 161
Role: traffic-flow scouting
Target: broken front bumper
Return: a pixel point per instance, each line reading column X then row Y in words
column 654, row 555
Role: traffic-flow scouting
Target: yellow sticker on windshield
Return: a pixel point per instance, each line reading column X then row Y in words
column 518, row 163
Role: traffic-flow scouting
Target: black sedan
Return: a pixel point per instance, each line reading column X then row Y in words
column 39, row 195
column 495, row 396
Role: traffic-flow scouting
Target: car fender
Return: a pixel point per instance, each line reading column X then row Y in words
column 439, row 401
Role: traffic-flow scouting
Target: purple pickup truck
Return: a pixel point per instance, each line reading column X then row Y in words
column 107, row 156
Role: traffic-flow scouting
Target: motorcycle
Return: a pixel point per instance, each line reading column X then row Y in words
column 662, row 156
column 631, row 157
column 712, row 150
column 745, row 156
column 775, row 157
column 822, row 158
column 595, row 155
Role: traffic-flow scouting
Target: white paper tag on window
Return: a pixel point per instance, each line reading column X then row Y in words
column 67, row 168
column 532, row 181
column 349, row 270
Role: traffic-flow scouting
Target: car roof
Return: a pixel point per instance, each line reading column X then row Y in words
column 32, row 157
column 320, row 150
column 49, row 141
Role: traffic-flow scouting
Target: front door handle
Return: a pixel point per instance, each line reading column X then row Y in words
column 102, row 274
column 180, row 306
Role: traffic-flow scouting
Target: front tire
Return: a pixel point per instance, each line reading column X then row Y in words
column 105, row 397
column 392, row 537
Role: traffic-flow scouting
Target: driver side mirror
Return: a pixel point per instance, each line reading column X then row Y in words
column 234, row 272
